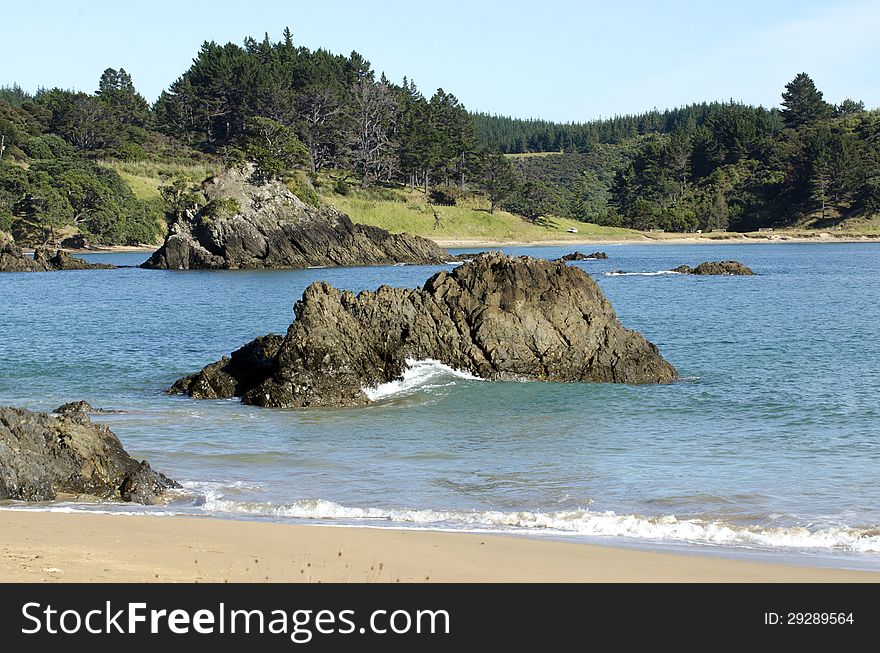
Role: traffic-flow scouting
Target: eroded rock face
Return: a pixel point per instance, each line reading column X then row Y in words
column 496, row 317
column 248, row 224
column 716, row 268
column 43, row 455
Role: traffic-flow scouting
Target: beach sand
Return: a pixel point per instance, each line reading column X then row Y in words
column 662, row 239
column 63, row 547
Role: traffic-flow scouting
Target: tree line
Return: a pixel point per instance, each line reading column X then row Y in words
column 286, row 107
column 727, row 166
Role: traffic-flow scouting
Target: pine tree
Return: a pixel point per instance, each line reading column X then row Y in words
column 802, row 102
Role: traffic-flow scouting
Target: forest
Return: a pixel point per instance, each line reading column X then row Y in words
column 299, row 113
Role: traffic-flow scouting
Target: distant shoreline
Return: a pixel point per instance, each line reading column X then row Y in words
column 664, row 239
column 656, row 239
column 46, row 546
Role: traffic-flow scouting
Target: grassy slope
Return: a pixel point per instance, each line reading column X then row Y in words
column 145, row 177
column 401, row 210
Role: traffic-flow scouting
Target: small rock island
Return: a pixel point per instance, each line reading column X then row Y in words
column 496, row 317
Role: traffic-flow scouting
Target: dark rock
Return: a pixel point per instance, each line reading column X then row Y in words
column 578, row 256
column 77, row 241
column 61, row 260
column 470, row 256
column 12, row 259
column 716, row 268
column 248, row 224
column 496, row 317
column 42, row 455
column 235, row 375
column 83, row 407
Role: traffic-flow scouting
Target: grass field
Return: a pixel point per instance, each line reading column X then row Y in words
column 402, row 210
column 399, row 210
column 145, row 177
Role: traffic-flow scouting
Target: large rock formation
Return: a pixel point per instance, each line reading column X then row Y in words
column 716, row 268
column 44, row 455
column 250, row 224
column 12, row 259
column 496, row 317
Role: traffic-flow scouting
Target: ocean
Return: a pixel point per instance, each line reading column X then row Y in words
column 768, row 446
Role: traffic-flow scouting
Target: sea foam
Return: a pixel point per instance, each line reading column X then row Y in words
column 568, row 523
column 418, row 374
column 617, row 273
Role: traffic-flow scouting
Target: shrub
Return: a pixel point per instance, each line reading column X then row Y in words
column 300, row 186
column 341, row 187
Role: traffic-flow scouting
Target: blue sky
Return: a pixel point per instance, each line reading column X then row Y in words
column 553, row 59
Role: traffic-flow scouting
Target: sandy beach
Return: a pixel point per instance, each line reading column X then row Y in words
column 663, row 239
column 61, row 547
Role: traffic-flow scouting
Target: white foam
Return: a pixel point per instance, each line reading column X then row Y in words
column 418, row 374
column 572, row 522
column 640, row 274
column 566, row 523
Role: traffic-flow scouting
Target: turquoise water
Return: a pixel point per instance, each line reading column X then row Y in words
column 770, row 442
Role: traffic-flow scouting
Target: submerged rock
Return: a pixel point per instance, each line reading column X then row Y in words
column 43, row 455
column 12, row 259
column 249, row 224
column 716, row 268
column 496, row 317
column 579, row 256
column 82, row 407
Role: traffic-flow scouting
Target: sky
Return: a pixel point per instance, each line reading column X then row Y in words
column 554, row 59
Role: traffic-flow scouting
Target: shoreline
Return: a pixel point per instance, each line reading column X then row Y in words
column 65, row 547
column 641, row 239
column 684, row 239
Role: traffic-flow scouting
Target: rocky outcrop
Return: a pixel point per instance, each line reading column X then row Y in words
column 235, row 375
column 716, row 268
column 12, row 259
column 82, row 407
column 43, row 455
column 61, row 260
column 579, row 256
column 496, row 317
column 76, row 241
column 249, row 224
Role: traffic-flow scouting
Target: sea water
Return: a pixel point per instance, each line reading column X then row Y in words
column 769, row 444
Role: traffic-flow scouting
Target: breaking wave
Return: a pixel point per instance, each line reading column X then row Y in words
column 419, row 374
column 618, row 273
column 567, row 523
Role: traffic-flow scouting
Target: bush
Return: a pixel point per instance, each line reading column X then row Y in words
column 300, row 186
column 341, row 187
column 444, row 195
column 48, row 146
column 131, row 152
column 225, row 207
